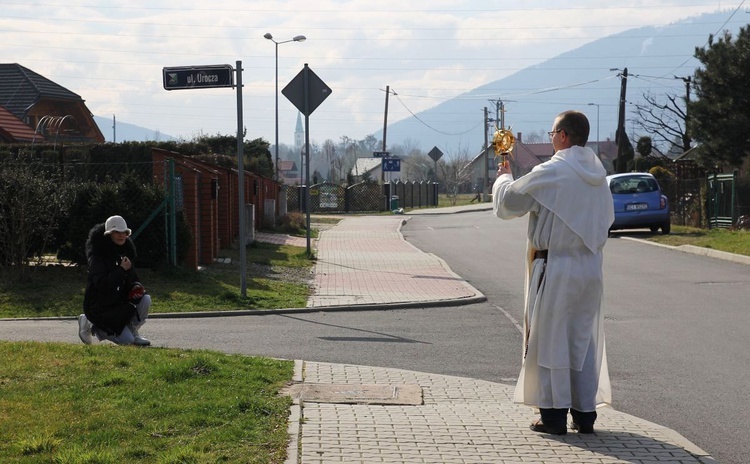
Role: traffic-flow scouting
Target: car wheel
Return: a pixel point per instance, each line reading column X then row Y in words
column 666, row 228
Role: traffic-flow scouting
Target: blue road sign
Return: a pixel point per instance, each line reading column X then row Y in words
column 392, row 164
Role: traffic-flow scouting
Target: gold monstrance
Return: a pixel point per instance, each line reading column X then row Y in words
column 503, row 143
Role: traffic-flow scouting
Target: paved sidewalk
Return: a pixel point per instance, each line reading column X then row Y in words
column 460, row 421
column 365, row 262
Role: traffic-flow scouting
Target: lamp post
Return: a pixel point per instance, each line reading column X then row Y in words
column 598, row 142
column 299, row 38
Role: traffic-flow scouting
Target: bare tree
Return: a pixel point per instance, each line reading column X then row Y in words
column 666, row 121
column 329, row 156
column 347, row 154
column 411, row 147
column 455, row 173
column 539, row 136
column 417, row 167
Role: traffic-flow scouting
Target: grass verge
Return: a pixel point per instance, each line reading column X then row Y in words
column 731, row 241
column 100, row 404
column 277, row 277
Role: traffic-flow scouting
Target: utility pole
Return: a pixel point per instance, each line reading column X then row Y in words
column 114, row 129
column 385, row 117
column 499, row 113
column 484, row 158
column 621, row 134
column 686, row 139
column 385, row 125
column 501, row 116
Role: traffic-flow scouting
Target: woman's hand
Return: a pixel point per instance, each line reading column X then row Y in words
column 125, row 263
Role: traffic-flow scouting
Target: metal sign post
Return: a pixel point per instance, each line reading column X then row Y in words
column 241, row 184
column 435, row 154
column 219, row 76
column 307, row 91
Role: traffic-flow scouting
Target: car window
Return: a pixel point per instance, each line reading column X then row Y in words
column 635, row 184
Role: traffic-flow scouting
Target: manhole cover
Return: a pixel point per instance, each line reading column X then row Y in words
column 401, row 394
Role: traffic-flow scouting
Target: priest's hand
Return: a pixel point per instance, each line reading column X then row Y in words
column 503, row 168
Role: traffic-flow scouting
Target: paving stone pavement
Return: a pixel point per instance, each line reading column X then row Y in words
column 364, row 261
column 462, row 420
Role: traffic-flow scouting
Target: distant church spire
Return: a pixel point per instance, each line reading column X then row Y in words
column 299, row 133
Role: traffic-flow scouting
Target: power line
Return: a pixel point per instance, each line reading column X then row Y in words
column 429, row 126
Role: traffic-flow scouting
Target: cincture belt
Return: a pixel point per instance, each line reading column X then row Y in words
column 540, row 254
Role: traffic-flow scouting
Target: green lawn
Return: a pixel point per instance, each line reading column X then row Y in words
column 732, row 241
column 58, row 290
column 103, row 404
column 460, row 200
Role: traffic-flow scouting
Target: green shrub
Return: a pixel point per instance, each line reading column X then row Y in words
column 294, row 222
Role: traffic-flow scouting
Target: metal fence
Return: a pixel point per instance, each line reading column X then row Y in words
column 415, row 194
column 363, row 197
column 707, row 201
column 686, row 201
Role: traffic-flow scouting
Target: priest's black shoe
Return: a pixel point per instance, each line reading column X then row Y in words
column 539, row 426
column 581, row 428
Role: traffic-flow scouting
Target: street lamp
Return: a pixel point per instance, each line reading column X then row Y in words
column 598, row 142
column 299, row 38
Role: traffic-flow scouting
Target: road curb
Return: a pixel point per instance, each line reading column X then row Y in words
column 479, row 298
column 696, row 250
column 294, row 427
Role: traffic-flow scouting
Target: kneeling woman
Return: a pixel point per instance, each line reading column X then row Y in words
column 115, row 304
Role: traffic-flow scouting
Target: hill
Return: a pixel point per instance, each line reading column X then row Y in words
column 125, row 132
column 586, row 79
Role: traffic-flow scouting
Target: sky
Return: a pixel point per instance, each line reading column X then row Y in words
column 112, row 53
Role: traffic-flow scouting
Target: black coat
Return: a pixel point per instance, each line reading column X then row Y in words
column 105, row 302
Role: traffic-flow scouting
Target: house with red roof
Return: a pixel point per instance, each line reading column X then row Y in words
column 13, row 130
column 46, row 109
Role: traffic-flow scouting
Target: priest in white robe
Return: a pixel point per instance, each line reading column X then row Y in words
column 570, row 211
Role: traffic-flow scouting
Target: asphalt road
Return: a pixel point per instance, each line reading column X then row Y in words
column 677, row 325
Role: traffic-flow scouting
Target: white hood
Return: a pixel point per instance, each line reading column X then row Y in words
column 585, row 207
column 584, row 162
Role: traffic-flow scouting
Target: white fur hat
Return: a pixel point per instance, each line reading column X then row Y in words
column 115, row 223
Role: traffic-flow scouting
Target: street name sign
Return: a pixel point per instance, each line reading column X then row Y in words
column 380, row 154
column 198, row 77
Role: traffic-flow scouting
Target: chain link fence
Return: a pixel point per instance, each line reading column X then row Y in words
column 363, row 197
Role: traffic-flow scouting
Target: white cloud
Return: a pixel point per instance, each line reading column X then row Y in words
column 113, row 55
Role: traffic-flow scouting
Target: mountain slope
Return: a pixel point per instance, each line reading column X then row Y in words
column 125, row 132
column 657, row 59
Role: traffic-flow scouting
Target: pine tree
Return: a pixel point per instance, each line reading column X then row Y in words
column 720, row 116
